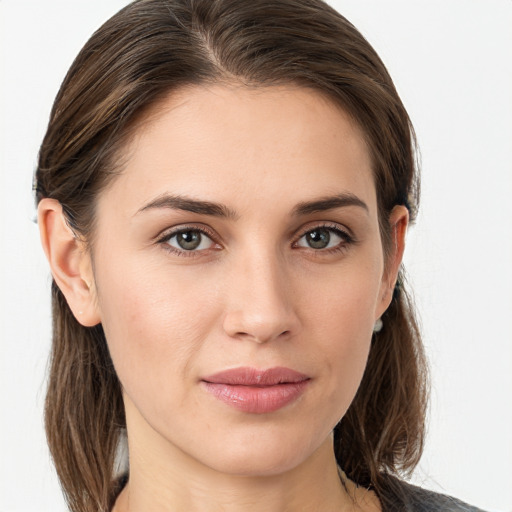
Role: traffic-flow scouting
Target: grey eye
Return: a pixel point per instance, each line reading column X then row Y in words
column 320, row 238
column 190, row 240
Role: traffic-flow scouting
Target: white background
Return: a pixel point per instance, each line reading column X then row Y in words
column 452, row 63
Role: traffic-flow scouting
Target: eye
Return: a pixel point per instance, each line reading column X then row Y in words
column 323, row 237
column 189, row 240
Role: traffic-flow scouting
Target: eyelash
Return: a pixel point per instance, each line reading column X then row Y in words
column 340, row 247
column 184, row 229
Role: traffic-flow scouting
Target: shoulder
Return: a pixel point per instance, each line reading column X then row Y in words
column 404, row 497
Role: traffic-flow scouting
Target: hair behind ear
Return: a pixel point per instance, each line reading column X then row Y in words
column 84, row 411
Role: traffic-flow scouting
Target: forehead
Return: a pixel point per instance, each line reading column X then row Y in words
column 236, row 144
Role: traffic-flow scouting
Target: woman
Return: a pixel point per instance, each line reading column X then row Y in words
column 224, row 191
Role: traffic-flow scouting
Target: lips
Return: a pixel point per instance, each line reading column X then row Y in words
column 257, row 391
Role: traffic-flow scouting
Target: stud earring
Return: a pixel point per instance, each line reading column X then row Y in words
column 378, row 325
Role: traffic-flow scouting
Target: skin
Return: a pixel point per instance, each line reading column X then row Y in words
column 253, row 293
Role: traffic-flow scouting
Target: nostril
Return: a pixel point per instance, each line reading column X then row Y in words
column 260, row 335
column 261, row 322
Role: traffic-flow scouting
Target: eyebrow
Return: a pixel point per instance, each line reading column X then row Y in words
column 329, row 203
column 188, row 204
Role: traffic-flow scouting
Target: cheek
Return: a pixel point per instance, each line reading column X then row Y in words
column 342, row 302
column 152, row 324
column 340, row 315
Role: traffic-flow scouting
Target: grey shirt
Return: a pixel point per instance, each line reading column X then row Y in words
column 404, row 497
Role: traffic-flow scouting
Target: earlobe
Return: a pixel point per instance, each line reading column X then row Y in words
column 70, row 262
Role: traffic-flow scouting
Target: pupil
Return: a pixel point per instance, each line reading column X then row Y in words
column 318, row 239
column 189, row 240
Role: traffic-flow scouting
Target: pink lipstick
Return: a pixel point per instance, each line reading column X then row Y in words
column 257, row 391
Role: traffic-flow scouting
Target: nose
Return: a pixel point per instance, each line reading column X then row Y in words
column 260, row 301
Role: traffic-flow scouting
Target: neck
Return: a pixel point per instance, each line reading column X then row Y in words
column 313, row 485
column 163, row 478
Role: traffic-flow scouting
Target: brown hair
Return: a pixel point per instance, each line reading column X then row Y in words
column 143, row 53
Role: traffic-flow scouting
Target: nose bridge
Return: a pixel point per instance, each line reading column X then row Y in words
column 260, row 304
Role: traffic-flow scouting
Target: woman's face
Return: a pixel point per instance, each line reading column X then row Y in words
column 239, row 271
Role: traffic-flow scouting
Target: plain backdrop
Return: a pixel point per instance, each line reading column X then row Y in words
column 452, row 64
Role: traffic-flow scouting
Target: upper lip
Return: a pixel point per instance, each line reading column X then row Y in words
column 247, row 376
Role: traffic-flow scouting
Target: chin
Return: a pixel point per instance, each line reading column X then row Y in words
column 263, row 454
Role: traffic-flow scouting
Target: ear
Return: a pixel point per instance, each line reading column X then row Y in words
column 70, row 262
column 398, row 222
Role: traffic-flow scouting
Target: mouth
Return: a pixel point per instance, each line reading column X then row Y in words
column 257, row 391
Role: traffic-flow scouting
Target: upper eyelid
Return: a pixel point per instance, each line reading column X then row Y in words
column 325, row 225
column 169, row 232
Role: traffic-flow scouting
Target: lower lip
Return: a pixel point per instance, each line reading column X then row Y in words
column 257, row 399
